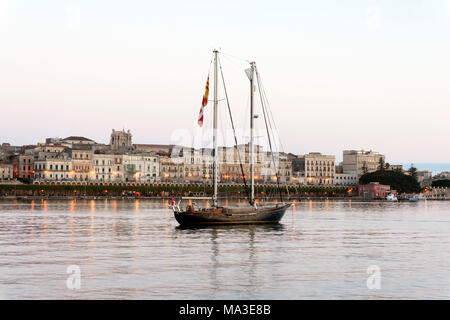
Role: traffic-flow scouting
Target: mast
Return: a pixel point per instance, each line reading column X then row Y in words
column 252, row 147
column 215, row 161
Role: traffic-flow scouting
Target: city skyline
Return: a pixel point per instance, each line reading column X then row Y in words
column 372, row 76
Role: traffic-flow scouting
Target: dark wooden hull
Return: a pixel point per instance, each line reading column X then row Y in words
column 226, row 215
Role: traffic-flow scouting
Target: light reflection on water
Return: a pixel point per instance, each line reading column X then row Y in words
column 135, row 249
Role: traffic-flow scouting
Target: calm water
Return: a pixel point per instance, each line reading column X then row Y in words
column 134, row 249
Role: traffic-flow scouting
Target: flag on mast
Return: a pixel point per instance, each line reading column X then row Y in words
column 204, row 103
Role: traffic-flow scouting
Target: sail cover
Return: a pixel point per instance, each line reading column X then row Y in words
column 204, row 103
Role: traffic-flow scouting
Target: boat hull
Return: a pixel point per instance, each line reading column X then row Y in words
column 262, row 215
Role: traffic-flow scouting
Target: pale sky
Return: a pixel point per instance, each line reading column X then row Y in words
column 338, row 74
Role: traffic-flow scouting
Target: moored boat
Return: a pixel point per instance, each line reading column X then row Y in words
column 251, row 213
column 391, row 197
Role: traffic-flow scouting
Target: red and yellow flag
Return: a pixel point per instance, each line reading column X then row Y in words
column 204, row 103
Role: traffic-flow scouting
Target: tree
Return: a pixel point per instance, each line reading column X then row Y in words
column 413, row 172
column 396, row 179
column 364, row 168
column 441, row 183
column 381, row 165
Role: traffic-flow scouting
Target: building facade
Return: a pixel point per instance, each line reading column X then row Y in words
column 121, row 140
column 82, row 164
column 23, row 165
column 6, row 171
column 346, row 179
column 373, row 190
column 141, row 167
column 57, row 168
column 361, row 161
column 316, row 168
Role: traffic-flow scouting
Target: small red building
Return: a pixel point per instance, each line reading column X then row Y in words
column 373, row 190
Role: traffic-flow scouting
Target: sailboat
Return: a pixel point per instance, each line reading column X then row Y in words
column 216, row 214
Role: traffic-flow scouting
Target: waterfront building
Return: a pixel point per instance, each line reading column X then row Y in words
column 346, row 179
column 121, row 140
column 6, row 171
column 23, row 166
column 57, row 168
column 316, row 168
column 437, row 193
column 229, row 164
column 141, row 167
column 198, row 164
column 373, row 190
column 82, row 162
column 361, row 161
column 171, row 169
column 105, row 167
column 298, row 177
column 280, row 164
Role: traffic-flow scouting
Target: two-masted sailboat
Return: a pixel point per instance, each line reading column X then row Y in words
column 216, row 214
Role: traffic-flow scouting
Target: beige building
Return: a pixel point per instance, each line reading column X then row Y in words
column 316, row 168
column 53, row 169
column 82, row 164
column 280, row 164
column 361, row 161
column 229, row 165
column 171, row 170
column 6, row 171
column 198, row 164
column 438, row 193
column 121, row 140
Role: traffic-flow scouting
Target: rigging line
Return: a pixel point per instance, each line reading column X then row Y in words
column 279, row 138
column 272, row 117
column 273, row 121
column 235, row 57
column 234, row 64
column 234, row 132
column 268, row 135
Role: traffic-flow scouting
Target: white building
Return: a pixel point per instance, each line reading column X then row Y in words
column 141, row 167
column 53, row 169
column 346, row 179
column 107, row 167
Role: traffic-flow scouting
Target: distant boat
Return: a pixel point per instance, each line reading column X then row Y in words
column 415, row 197
column 391, row 197
column 250, row 213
